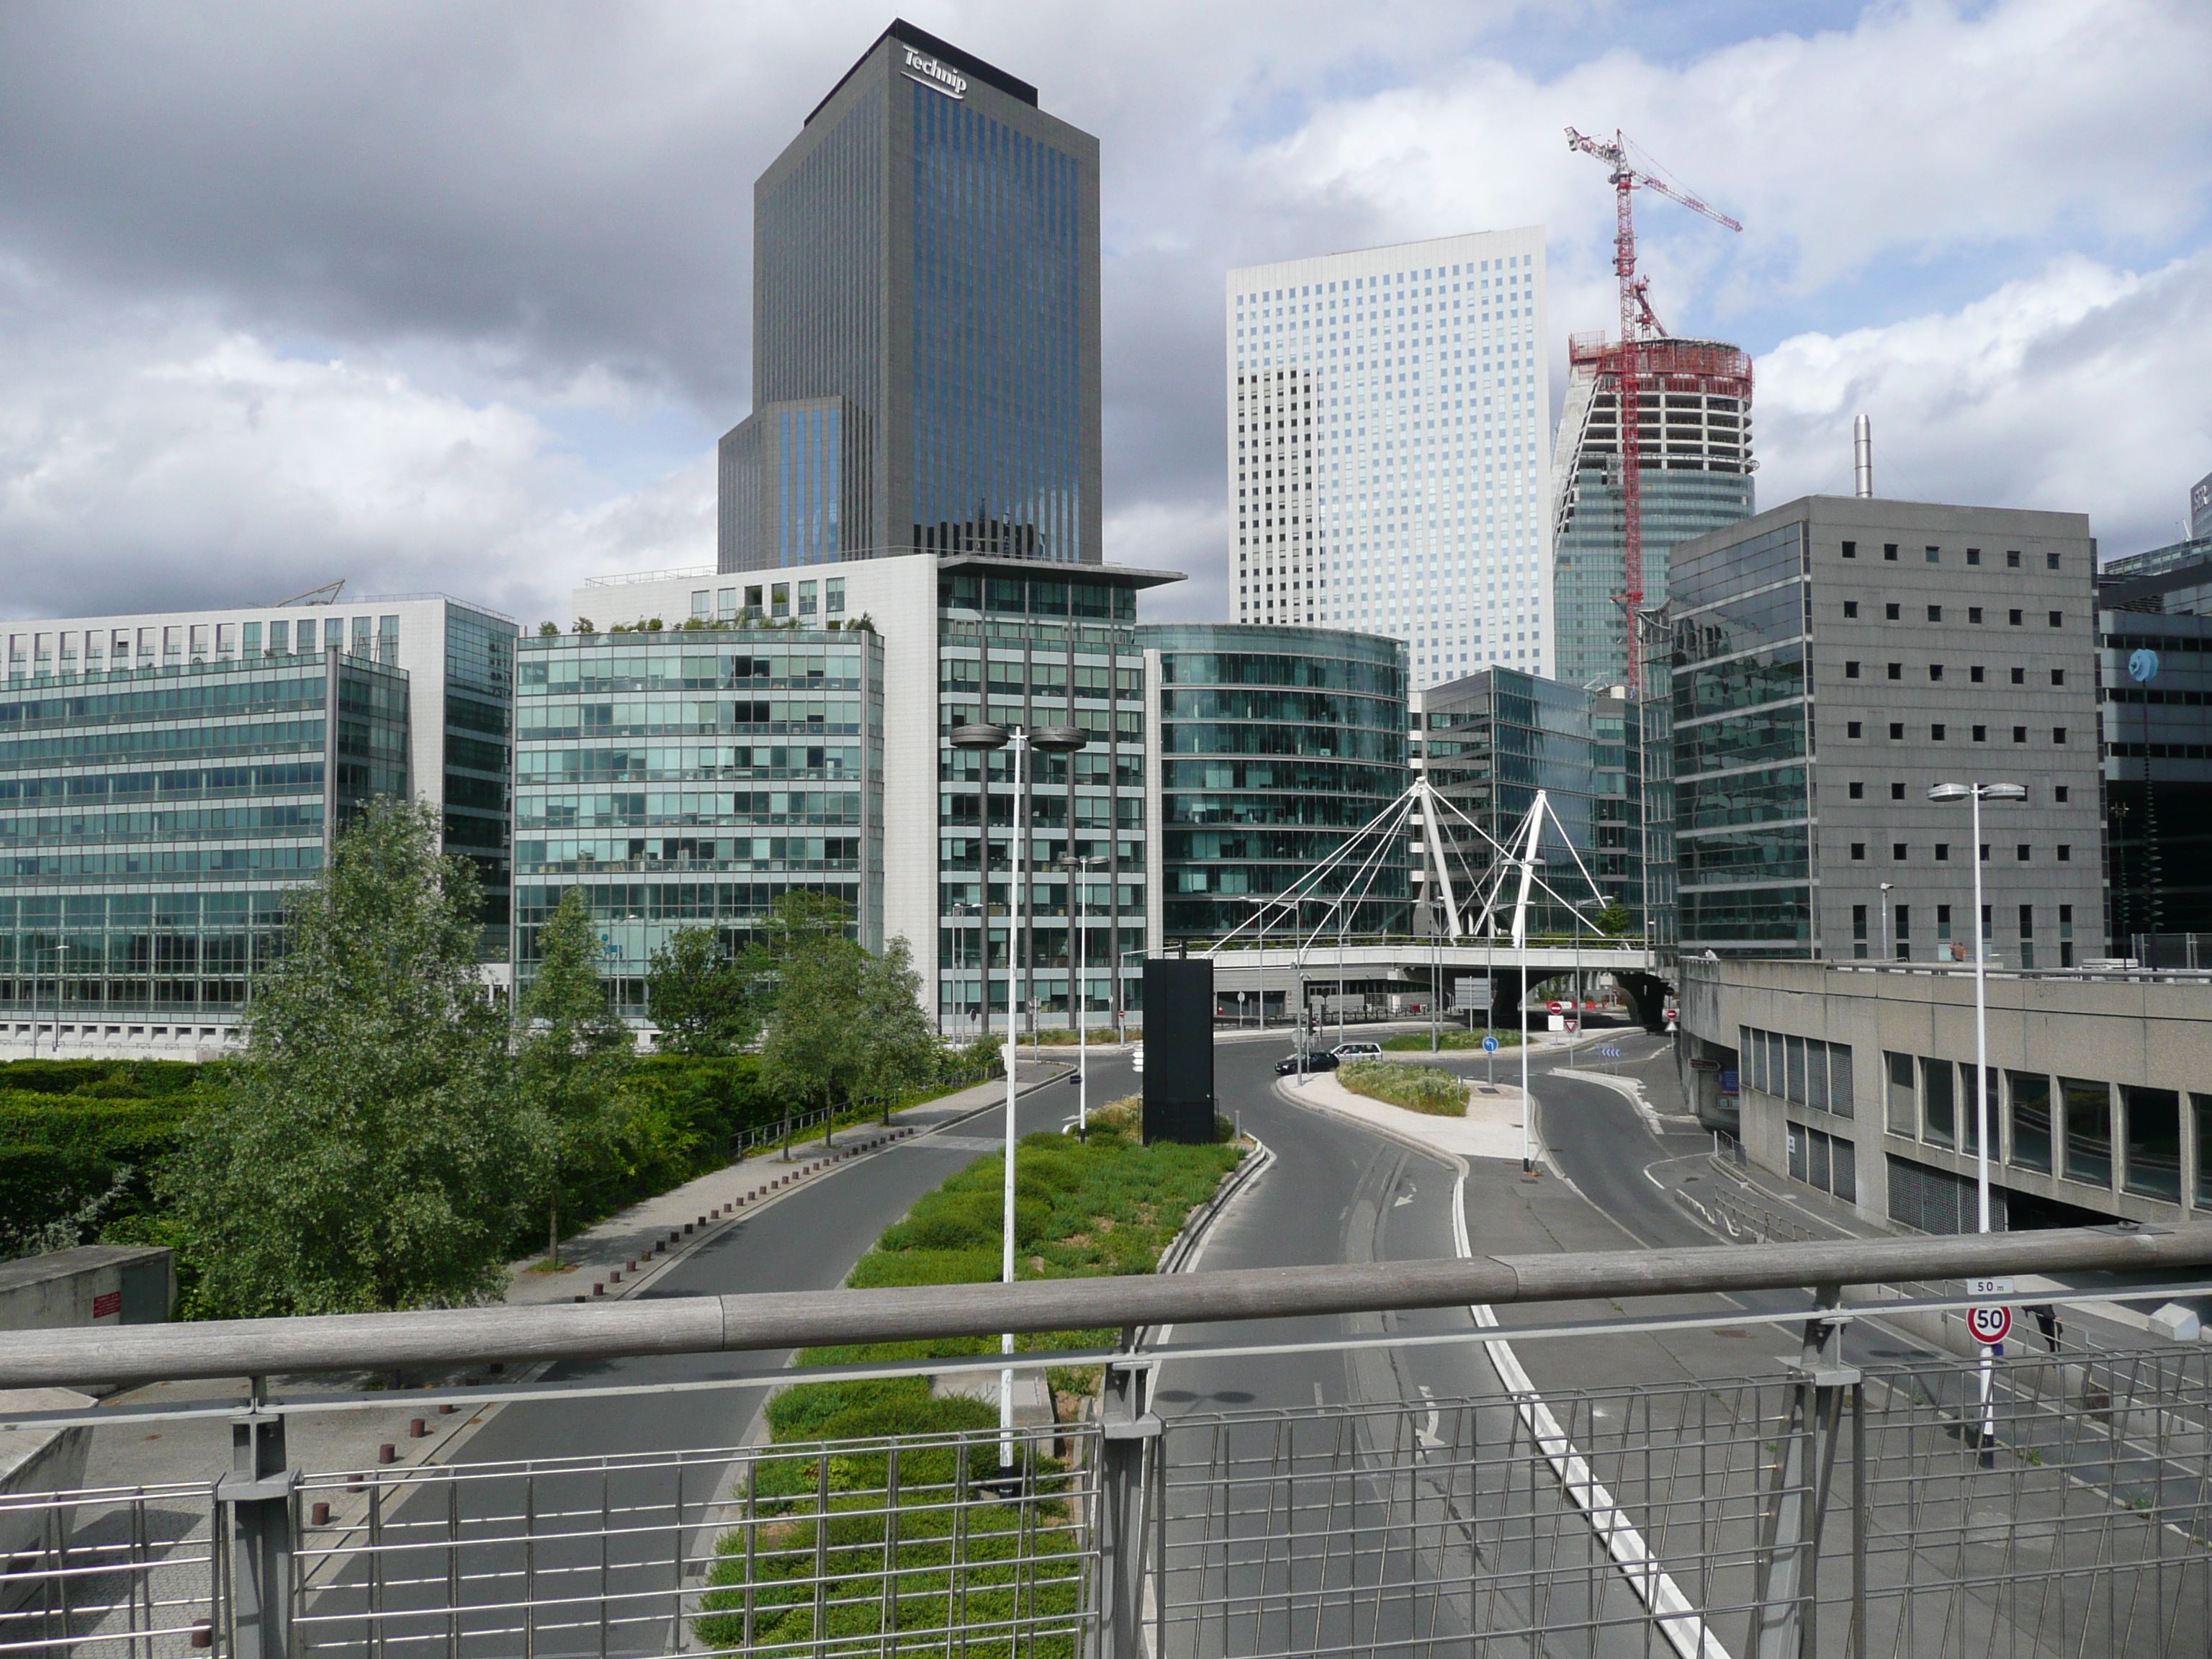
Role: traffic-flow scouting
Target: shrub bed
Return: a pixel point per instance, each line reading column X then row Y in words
column 1408, row 1042
column 1104, row 1206
column 1416, row 1088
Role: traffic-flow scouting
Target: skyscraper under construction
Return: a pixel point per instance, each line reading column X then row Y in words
column 1693, row 407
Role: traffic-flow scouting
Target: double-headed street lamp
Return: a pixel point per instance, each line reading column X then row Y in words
column 1049, row 740
column 1977, row 793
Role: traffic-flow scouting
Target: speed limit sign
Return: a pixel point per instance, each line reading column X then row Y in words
column 1990, row 1325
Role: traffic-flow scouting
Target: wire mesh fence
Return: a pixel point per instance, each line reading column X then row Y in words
column 1926, row 1507
column 1894, row 1515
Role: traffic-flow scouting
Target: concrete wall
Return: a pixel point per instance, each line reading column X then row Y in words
column 2142, row 1032
column 91, row 1285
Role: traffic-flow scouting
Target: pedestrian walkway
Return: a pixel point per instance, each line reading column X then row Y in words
column 1492, row 1127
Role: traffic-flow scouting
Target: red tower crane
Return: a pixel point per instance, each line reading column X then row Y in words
column 1639, row 325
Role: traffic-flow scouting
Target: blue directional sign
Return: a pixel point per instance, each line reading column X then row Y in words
column 1490, row 1045
column 1608, row 1053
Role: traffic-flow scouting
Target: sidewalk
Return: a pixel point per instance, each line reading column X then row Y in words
column 1492, row 1127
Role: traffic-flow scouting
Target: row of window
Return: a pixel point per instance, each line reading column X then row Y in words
column 1935, row 555
column 1974, row 673
column 1894, row 612
column 1901, row 851
column 1899, row 924
column 1939, row 731
column 2060, row 792
column 1804, row 1070
column 36, row 652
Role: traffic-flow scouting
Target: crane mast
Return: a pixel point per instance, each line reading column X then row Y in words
column 1639, row 325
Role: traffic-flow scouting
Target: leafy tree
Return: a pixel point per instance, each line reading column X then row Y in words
column 813, row 1047
column 899, row 1045
column 363, row 1154
column 1615, row 919
column 571, row 1053
column 701, row 1000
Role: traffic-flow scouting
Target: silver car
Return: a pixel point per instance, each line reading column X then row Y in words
column 1346, row 1052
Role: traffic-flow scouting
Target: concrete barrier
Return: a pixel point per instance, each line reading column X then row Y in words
column 35, row 1460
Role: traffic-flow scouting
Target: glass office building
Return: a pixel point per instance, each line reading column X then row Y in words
column 1276, row 745
column 154, row 815
column 691, row 777
column 1017, row 649
column 925, row 326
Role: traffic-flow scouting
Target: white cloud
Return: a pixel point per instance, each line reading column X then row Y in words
column 2072, row 390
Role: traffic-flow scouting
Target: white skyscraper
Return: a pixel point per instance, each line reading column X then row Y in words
column 1390, row 425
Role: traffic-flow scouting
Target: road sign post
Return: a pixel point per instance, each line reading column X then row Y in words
column 1990, row 1325
column 1490, row 1059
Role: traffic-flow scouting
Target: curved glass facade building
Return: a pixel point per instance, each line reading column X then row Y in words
column 1274, row 746
column 925, row 326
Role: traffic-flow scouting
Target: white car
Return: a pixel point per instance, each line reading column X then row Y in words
column 1137, row 1059
column 1347, row 1051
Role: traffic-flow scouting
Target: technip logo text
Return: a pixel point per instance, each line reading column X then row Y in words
column 934, row 75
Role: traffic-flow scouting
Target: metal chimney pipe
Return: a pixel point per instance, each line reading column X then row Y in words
column 1862, row 456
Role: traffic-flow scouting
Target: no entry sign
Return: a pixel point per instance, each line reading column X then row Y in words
column 1990, row 1325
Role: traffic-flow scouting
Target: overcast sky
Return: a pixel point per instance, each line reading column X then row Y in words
column 455, row 296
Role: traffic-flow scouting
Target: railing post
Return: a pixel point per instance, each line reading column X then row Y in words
column 1128, row 1426
column 259, row 1520
column 1785, row 1605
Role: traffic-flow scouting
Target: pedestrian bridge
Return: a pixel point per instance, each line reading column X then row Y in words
column 1412, row 965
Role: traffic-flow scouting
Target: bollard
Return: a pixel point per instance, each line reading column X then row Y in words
column 202, row 1633
column 615, row 1277
column 448, row 1409
column 687, row 1226
column 416, row 1428
column 598, row 1290
column 319, row 1516
column 387, row 1453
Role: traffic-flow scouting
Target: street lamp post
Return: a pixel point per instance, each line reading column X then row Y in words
column 1886, row 887
column 1975, row 794
column 1264, row 906
column 1081, row 1005
column 960, row 968
column 1052, row 740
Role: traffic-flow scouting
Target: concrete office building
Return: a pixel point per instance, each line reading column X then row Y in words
column 693, row 777
column 963, row 638
column 1489, row 742
column 2199, row 509
column 1693, row 417
column 1272, row 748
column 1857, row 1081
column 158, row 804
column 1835, row 657
column 925, row 326
column 1387, row 417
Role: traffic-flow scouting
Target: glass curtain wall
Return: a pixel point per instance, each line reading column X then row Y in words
column 1278, row 745
column 1031, row 651
column 153, row 820
column 694, row 777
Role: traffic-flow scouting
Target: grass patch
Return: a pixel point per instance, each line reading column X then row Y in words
column 1416, row 1088
column 1109, row 1204
column 1409, row 1042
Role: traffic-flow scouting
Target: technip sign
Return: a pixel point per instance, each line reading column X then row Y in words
column 922, row 67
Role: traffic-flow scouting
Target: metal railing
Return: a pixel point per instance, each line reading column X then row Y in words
column 1919, row 1505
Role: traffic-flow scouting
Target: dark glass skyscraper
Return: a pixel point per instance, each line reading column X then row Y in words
column 925, row 326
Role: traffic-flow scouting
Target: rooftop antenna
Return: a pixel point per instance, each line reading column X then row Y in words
column 326, row 595
column 1862, row 456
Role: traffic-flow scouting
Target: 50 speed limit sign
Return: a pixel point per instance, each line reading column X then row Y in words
column 1990, row 1325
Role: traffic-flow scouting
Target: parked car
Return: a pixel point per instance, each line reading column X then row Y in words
column 1320, row 1060
column 1347, row 1051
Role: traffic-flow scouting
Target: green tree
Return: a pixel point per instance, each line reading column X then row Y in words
column 701, row 1000
column 899, row 1047
column 363, row 1152
column 810, row 970
column 572, row 1055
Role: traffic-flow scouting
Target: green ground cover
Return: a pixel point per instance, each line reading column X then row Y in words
column 1416, row 1088
column 1110, row 1204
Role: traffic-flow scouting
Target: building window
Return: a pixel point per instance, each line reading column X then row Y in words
column 1981, row 734
column 1850, row 549
column 2058, row 734
column 2060, row 792
column 1942, row 923
column 2031, row 1121
column 2012, row 559
column 2153, row 1142
column 1934, row 556
column 1935, row 613
column 1897, row 851
column 2200, row 1109
column 1942, row 852
column 833, row 596
column 1901, row 919
column 1897, row 730
column 1893, row 612
column 703, row 604
column 806, row 598
column 2065, row 852
column 1858, row 850
column 2020, row 734
column 1897, row 792
column 2014, row 616
column 1858, row 792
column 2088, row 1130
column 1973, row 555
column 1850, row 607
column 2050, row 562
column 1934, row 671
column 1935, row 733
column 1824, row 1161
column 1939, row 1112
column 1974, row 614
column 1900, row 1113
column 1897, row 671
column 2058, row 619
column 1889, row 551
column 1850, row 670
column 1854, row 729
